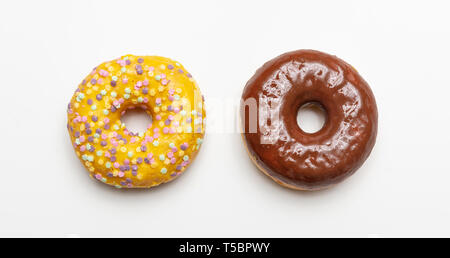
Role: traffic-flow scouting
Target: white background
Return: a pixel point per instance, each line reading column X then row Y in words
column 400, row 47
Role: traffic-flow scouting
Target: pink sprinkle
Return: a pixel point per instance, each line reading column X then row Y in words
column 170, row 117
column 124, row 80
column 151, row 68
column 171, row 91
column 145, row 100
column 84, row 118
column 156, row 135
column 176, row 110
column 158, row 117
column 139, row 84
column 173, row 160
column 150, row 155
column 104, row 136
column 164, row 82
column 107, row 154
column 100, row 81
column 165, row 130
column 103, row 73
column 158, row 101
column 156, row 130
column 114, row 134
column 170, row 154
column 171, row 98
column 121, row 174
column 121, row 100
column 116, row 164
column 133, row 140
column 82, row 148
column 106, row 120
column 82, row 138
column 163, row 76
column 126, row 162
column 145, row 82
column 98, row 176
column 176, row 124
column 147, row 138
column 172, row 130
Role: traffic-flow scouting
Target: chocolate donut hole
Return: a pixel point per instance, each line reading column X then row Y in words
column 311, row 117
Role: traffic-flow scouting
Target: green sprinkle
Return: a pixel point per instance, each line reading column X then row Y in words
column 77, row 141
column 91, row 158
column 157, row 77
column 161, row 157
column 140, row 99
column 199, row 141
column 163, row 170
column 114, row 78
column 128, row 90
column 126, row 96
column 99, row 153
column 113, row 94
column 172, row 145
column 116, row 127
column 176, row 97
column 105, row 112
column 182, row 112
column 103, row 92
column 155, row 143
column 123, row 69
column 186, row 158
column 96, row 135
column 108, row 164
column 93, row 107
column 130, row 154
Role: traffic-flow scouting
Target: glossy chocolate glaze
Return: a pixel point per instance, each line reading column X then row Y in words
column 279, row 147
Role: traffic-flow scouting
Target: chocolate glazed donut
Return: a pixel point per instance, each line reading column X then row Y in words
column 275, row 142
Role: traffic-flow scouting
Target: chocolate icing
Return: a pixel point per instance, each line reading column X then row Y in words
column 290, row 156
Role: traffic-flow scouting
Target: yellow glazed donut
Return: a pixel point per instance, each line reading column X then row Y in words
column 114, row 155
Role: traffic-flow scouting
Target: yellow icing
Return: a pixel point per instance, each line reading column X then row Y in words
column 160, row 86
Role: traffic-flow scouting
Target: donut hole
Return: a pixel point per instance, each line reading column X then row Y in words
column 311, row 117
column 136, row 120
